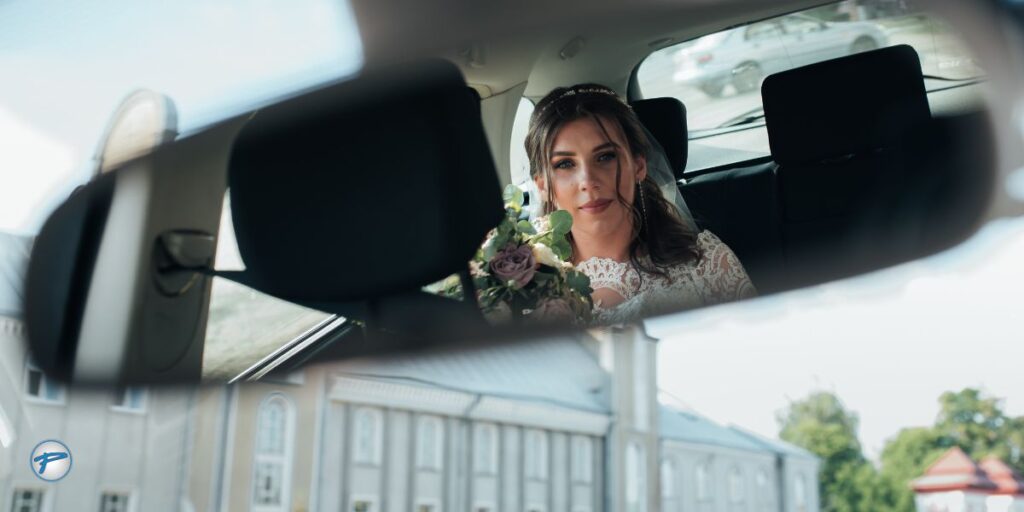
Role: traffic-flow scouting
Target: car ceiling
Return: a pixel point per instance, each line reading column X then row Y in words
column 501, row 44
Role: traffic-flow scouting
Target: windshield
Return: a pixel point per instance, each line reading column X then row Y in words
column 718, row 76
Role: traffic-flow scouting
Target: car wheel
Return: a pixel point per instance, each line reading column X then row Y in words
column 713, row 90
column 863, row 44
column 747, row 77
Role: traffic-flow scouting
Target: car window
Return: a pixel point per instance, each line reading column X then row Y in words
column 800, row 25
column 519, row 163
column 718, row 77
column 763, row 30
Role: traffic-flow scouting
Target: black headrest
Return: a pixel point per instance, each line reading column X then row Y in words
column 60, row 273
column 377, row 185
column 844, row 106
column 665, row 118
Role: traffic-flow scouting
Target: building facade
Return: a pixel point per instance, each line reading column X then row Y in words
column 570, row 424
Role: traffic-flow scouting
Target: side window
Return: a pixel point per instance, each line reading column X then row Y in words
column 801, row 25
column 519, row 163
column 763, row 30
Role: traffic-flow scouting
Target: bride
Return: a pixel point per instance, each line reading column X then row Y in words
column 632, row 236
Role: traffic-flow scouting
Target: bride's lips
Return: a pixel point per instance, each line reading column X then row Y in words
column 596, row 206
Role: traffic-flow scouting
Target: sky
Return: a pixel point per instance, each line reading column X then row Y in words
column 887, row 343
column 67, row 66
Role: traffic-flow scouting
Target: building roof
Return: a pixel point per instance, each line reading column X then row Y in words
column 559, row 372
column 691, row 427
column 775, row 445
column 14, row 252
column 954, row 471
column 1007, row 480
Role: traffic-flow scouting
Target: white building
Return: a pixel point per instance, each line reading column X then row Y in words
column 955, row 483
column 569, row 424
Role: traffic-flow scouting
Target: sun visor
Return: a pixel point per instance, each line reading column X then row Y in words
column 374, row 186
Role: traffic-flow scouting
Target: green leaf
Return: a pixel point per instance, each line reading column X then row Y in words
column 524, row 226
column 562, row 249
column 561, row 222
column 579, row 281
column 513, row 194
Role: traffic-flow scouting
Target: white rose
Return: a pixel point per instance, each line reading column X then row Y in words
column 545, row 256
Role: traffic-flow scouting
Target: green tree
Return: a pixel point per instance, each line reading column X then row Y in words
column 977, row 424
column 904, row 458
column 821, row 424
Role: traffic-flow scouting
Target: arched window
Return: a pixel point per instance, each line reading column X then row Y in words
column 635, row 478
column 536, row 454
column 736, row 490
column 429, row 443
column 668, row 479
column 702, row 482
column 485, row 449
column 367, row 426
column 800, row 493
column 275, row 424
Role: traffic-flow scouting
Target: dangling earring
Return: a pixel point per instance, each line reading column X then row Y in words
column 643, row 205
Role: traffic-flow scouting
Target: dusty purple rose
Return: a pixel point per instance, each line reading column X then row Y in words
column 553, row 310
column 514, row 265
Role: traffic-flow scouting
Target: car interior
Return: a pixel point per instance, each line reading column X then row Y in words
column 350, row 197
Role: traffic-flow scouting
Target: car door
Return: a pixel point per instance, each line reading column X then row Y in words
column 809, row 40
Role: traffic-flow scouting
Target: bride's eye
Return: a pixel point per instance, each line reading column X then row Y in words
column 563, row 164
column 606, row 157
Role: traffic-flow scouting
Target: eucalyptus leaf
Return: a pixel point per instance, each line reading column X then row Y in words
column 524, row 226
column 512, row 194
column 561, row 222
column 562, row 249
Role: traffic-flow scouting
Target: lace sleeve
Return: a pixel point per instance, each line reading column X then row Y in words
column 721, row 271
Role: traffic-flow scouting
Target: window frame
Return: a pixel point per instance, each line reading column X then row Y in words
column 737, row 489
column 124, row 391
column 284, row 459
column 130, row 495
column 372, row 459
column 45, row 384
column 45, row 504
column 582, row 459
column 438, row 442
column 669, row 491
column 536, row 457
column 702, row 481
column 488, row 466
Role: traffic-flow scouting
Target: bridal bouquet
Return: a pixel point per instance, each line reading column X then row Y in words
column 522, row 272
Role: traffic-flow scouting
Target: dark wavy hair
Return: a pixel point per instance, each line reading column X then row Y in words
column 660, row 238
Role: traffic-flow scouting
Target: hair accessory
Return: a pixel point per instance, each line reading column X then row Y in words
column 586, row 90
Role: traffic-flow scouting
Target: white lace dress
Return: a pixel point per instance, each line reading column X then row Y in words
column 716, row 278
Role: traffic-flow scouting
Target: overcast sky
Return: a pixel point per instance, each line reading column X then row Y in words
column 888, row 343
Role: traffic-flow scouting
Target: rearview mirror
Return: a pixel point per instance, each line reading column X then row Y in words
column 320, row 224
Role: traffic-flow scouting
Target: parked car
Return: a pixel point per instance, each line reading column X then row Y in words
column 743, row 56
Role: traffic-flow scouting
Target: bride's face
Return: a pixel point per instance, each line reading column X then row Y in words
column 584, row 164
